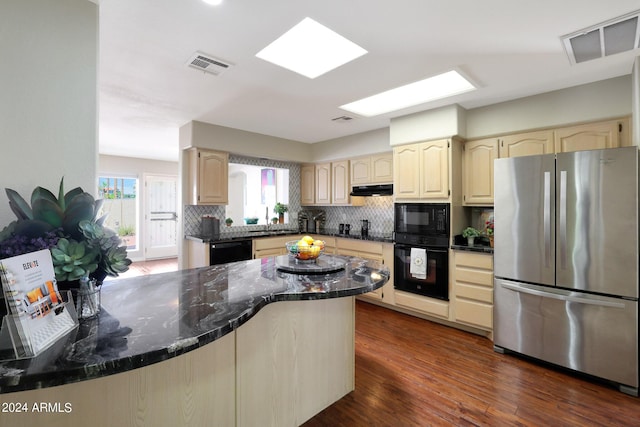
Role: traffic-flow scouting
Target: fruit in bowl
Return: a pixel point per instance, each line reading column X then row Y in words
column 306, row 248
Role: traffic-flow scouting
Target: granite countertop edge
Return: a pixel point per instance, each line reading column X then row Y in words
column 15, row 381
column 475, row 248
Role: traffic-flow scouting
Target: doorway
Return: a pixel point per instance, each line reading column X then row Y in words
column 161, row 218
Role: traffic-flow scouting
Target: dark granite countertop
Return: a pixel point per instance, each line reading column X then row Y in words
column 474, row 248
column 148, row 319
column 254, row 234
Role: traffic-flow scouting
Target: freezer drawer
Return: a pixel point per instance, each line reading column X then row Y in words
column 587, row 333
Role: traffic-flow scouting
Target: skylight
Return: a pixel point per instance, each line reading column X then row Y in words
column 311, row 49
column 436, row 87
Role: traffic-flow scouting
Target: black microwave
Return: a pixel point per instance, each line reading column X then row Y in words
column 427, row 219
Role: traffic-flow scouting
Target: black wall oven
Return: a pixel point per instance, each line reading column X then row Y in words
column 421, row 254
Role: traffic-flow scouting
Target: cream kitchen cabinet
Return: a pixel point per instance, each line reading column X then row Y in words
column 421, row 170
column 375, row 169
column 527, row 144
column 198, row 254
column 323, row 184
column 591, row 136
column 307, row 185
column 473, row 289
column 208, row 177
column 326, row 184
column 378, row 251
column 478, row 157
column 429, row 306
column 340, row 188
column 272, row 246
column 406, row 171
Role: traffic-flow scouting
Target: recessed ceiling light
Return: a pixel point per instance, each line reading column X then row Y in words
column 436, row 87
column 213, row 2
column 311, row 49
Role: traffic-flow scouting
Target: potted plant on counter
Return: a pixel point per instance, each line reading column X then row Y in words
column 470, row 234
column 280, row 209
column 69, row 226
column 488, row 230
column 228, row 221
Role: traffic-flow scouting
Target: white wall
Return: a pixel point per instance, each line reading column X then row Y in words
column 48, row 106
column 428, row 125
column 138, row 167
column 204, row 135
column 376, row 141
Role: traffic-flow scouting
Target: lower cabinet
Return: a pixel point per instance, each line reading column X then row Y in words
column 429, row 306
column 271, row 246
column 473, row 289
column 197, row 254
column 377, row 251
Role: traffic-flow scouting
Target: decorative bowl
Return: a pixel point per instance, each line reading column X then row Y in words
column 303, row 251
column 249, row 221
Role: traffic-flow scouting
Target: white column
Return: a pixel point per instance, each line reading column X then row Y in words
column 635, row 102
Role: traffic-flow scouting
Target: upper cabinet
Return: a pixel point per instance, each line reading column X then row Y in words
column 526, row 144
column 323, row 184
column 421, row 170
column 406, row 172
column 208, row 177
column 307, row 185
column 590, row 136
column 478, row 157
column 375, row 169
column 326, row 184
column 340, row 178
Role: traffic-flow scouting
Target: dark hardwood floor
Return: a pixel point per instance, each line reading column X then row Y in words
column 412, row 372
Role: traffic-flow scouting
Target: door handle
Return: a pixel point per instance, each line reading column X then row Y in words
column 547, row 219
column 523, row 288
column 563, row 219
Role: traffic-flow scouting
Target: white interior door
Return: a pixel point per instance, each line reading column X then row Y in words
column 161, row 218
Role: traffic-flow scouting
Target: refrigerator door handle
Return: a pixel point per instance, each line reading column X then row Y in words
column 519, row 287
column 547, row 219
column 563, row 219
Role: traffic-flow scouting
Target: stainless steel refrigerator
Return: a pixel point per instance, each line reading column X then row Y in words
column 566, row 261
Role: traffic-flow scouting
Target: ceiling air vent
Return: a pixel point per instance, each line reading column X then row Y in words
column 207, row 63
column 342, row 119
column 608, row 38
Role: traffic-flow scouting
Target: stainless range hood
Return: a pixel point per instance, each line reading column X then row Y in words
column 372, row 190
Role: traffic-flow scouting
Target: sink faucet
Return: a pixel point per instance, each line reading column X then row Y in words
column 267, row 219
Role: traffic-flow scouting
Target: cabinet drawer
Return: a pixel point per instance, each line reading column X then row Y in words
column 264, row 253
column 479, row 277
column 474, row 260
column 359, row 245
column 478, row 293
column 272, row 242
column 423, row 304
column 474, row 313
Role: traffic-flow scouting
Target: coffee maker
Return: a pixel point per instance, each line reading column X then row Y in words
column 311, row 221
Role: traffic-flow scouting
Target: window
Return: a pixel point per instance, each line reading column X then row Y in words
column 120, row 196
column 254, row 191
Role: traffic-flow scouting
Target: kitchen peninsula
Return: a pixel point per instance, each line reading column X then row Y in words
column 236, row 344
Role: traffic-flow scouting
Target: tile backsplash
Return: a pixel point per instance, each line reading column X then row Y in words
column 378, row 210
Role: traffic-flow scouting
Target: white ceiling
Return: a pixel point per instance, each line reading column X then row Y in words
column 509, row 48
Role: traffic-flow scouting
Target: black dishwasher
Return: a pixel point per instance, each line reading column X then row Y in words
column 222, row 253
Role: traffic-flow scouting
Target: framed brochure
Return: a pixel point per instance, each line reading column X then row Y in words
column 37, row 316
